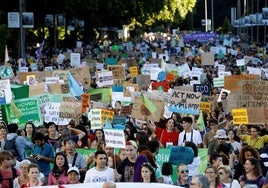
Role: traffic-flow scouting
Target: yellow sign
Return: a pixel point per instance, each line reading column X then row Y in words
column 240, row 116
column 133, row 71
column 205, row 107
column 108, row 113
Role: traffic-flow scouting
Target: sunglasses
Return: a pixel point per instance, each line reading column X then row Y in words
column 184, row 171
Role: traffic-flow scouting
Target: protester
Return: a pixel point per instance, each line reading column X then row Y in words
column 7, row 172
column 253, row 175
column 125, row 169
column 166, row 135
column 53, row 135
column 75, row 159
column 213, row 177
column 3, row 135
column 58, row 175
column 167, row 172
column 33, row 174
column 20, row 142
column 188, row 133
column 199, row 181
column 183, row 179
column 43, row 153
column 23, row 178
column 147, row 173
column 98, row 137
column 226, row 177
column 101, row 172
column 73, row 175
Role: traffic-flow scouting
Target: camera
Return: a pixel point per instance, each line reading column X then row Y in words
column 56, row 174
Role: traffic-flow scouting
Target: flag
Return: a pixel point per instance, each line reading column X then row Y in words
column 75, row 88
column 14, row 111
column 6, row 55
column 200, row 124
column 149, row 104
column 38, row 52
column 108, row 124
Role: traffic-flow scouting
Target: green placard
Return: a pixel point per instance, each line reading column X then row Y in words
column 30, row 112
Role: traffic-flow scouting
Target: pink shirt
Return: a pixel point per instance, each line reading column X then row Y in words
column 63, row 179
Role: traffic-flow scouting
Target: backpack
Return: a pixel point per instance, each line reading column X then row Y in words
column 11, row 179
column 11, row 144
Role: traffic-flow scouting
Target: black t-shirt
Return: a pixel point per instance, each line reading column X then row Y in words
column 126, row 169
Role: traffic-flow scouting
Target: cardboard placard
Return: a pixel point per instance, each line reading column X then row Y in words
column 37, row 89
column 207, row 58
column 185, row 102
column 205, row 107
column 143, row 81
column 131, row 62
column 70, row 108
column 54, row 88
column 128, row 88
column 81, row 74
column 118, row 71
column 234, row 82
column 39, row 76
column 139, row 110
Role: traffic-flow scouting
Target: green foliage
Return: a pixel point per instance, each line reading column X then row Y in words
column 4, row 36
column 226, row 26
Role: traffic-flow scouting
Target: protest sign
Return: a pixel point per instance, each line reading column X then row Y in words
column 133, row 71
column 143, row 81
column 204, row 89
column 5, row 92
column 106, row 113
column 129, row 88
column 51, row 114
column 131, row 62
column 181, row 155
column 115, row 138
column 205, row 107
column 110, row 61
column 95, row 118
column 37, row 89
column 240, row 116
column 184, row 70
column 29, row 109
column 70, row 108
column 105, row 79
column 118, row 72
column 161, row 86
column 185, row 102
column 218, row 82
column 85, row 102
column 140, row 111
column 234, row 82
column 207, row 58
column 100, row 94
column 62, row 74
column 81, row 75
column 54, row 88
column 75, row 59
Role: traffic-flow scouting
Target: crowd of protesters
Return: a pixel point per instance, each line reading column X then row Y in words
column 237, row 154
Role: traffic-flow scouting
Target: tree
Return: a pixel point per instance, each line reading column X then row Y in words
column 226, row 26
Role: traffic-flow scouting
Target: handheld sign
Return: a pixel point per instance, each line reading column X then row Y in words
column 115, row 138
column 181, row 155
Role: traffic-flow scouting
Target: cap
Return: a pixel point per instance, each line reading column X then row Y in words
column 221, row 133
column 73, row 169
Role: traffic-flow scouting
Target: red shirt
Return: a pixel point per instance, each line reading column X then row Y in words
column 164, row 136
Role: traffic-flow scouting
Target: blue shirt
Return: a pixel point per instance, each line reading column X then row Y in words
column 47, row 151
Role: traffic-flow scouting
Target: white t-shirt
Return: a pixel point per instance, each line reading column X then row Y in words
column 193, row 136
column 193, row 167
column 235, row 184
column 94, row 175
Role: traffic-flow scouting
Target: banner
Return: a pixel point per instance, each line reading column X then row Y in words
column 185, row 102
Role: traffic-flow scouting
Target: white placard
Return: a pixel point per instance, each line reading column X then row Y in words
column 240, row 62
column 115, row 138
column 75, row 59
column 105, row 79
column 51, row 113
